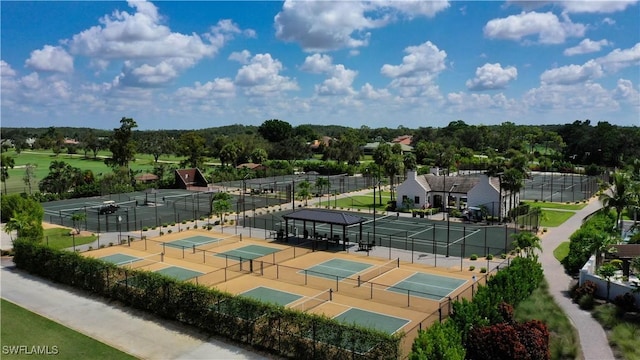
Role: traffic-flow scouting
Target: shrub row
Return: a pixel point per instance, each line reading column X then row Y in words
column 510, row 285
column 267, row 327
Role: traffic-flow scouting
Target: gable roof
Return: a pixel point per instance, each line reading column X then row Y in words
column 324, row 216
column 445, row 183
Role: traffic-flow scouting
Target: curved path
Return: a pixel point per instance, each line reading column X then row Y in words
column 593, row 339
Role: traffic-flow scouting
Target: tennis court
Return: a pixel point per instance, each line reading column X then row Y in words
column 248, row 252
column 337, row 268
column 270, row 295
column 179, row 273
column 385, row 323
column 120, row 259
column 449, row 238
column 559, row 187
column 427, row 286
column 190, row 242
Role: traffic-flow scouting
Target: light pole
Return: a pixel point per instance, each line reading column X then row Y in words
column 448, row 216
column 120, row 229
column 374, row 211
column 244, row 193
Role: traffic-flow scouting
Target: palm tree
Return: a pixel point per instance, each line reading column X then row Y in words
column 321, row 182
column 619, row 196
column 20, row 223
column 6, row 163
column 527, row 242
column 303, row 191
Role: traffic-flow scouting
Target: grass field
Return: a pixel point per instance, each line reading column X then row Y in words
column 21, row 327
column 556, row 205
column 42, row 159
column 553, row 218
column 59, row 238
column 364, row 202
column 561, row 251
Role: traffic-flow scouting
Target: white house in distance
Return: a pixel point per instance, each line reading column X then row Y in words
column 466, row 191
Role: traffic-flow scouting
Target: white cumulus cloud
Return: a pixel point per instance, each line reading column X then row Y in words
column 261, row 77
column 620, row 58
column 154, row 55
column 572, row 74
column 586, row 46
column 548, row 28
column 625, row 91
column 50, row 58
column 492, row 76
column 340, row 78
column 330, row 25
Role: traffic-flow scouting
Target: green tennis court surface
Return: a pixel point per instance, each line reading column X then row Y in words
column 120, row 259
column 273, row 296
column 179, row 273
column 249, row 252
column 336, row 268
column 427, row 286
column 385, row 323
column 191, row 241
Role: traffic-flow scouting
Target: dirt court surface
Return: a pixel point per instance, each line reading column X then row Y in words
column 293, row 271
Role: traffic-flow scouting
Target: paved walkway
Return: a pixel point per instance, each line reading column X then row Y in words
column 127, row 329
column 593, row 339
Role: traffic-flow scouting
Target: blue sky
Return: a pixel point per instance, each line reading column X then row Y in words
column 177, row 65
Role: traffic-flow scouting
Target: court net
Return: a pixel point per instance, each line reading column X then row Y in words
column 378, row 270
column 143, row 261
column 308, row 303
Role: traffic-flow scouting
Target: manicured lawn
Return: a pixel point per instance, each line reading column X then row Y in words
column 59, row 238
column 553, row 218
column 364, row 202
column 21, row 327
column 561, row 251
column 42, row 159
column 556, row 205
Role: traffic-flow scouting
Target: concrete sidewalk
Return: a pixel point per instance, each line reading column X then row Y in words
column 127, row 329
column 593, row 339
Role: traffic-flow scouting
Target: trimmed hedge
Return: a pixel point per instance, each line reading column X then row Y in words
column 267, row 327
column 510, row 285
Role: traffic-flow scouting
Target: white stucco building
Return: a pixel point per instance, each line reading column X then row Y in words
column 477, row 190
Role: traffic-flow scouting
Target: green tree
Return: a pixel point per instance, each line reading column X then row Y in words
column 348, row 148
column 158, row 143
column 220, row 205
column 77, row 218
column 259, row 155
column 229, row 154
column 29, row 177
column 62, row 177
column 619, row 196
column 90, row 142
column 6, row 162
column 192, row 146
column 304, row 192
column 122, row 146
column 409, row 161
column 275, row 130
column 321, row 183
column 526, row 242
column 608, row 271
column 25, row 216
column 442, row 341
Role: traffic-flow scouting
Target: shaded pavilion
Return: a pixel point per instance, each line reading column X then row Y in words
column 333, row 218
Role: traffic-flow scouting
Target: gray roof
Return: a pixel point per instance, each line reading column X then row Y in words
column 445, row 183
column 324, row 216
